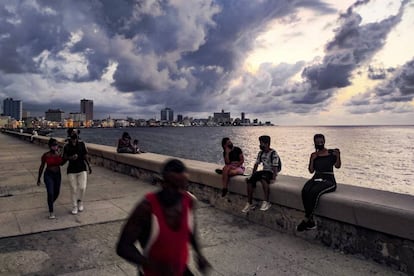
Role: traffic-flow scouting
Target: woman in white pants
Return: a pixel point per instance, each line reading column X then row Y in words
column 76, row 153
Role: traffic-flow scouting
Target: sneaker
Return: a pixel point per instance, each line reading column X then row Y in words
column 74, row 210
column 248, row 208
column 265, row 206
column 80, row 206
column 224, row 192
column 310, row 225
column 301, row 227
column 219, row 171
column 51, row 216
column 306, row 225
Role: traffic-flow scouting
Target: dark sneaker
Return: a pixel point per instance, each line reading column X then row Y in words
column 224, row 192
column 310, row 225
column 301, row 227
column 219, row 171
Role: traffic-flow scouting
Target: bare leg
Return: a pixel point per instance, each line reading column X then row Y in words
column 266, row 189
column 250, row 193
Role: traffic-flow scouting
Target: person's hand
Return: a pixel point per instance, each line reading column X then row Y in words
column 74, row 157
column 38, row 182
column 90, row 170
column 203, row 265
column 273, row 180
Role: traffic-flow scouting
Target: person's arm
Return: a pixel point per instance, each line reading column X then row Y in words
column 132, row 231
column 338, row 162
column 85, row 157
column 311, row 160
column 202, row 263
column 226, row 155
column 241, row 158
column 41, row 168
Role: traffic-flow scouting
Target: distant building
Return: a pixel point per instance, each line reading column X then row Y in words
column 13, row 108
column 167, row 114
column 26, row 114
column 179, row 118
column 55, row 115
column 77, row 116
column 86, row 107
column 222, row 117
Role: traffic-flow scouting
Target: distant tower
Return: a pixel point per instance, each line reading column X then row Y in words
column 167, row 114
column 179, row 118
column 242, row 117
column 86, row 107
column 13, row 108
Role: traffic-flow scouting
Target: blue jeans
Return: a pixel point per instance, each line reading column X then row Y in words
column 52, row 181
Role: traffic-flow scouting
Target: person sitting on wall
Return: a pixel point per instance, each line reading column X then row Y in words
column 233, row 160
column 125, row 146
column 323, row 181
column 271, row 167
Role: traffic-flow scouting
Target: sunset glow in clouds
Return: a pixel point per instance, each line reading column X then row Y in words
column 291, row 62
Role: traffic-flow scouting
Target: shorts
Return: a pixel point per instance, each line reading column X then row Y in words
column 239, row 169
column 260, row 175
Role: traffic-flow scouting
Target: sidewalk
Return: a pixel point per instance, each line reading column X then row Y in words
column 85, row 244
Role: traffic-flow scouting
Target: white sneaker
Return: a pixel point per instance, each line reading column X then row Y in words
column 52, row 216
column 75, row 210
column 80, row 206
column 248, row 207
column 265, row 206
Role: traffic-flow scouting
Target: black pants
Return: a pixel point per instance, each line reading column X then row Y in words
column 52, row 181
column 312, row 190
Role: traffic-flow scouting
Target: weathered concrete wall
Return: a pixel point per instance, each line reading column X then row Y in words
column 376, row 224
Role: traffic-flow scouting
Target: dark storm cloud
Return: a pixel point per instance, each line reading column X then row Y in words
column 181, row 54
column 395, row 93
column 352, row 45
column 172, row 53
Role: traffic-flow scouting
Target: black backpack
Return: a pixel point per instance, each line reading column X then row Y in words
column 272, row 156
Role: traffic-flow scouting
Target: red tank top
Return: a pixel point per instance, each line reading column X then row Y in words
column 166, row 245
column 52, row 160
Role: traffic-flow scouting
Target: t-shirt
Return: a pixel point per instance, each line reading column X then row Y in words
column 266, row 159
column 78, row 165
column 234, row 154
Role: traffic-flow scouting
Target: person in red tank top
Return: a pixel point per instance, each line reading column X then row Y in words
column 163, row 223
column 52, row 160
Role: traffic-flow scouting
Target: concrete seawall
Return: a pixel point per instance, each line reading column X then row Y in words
column 376, row 224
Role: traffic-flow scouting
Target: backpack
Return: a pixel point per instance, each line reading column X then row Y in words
column 272, row 156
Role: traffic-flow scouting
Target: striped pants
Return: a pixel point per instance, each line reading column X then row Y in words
column 311, row 192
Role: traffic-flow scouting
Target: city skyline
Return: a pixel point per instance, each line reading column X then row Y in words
column 307, row 62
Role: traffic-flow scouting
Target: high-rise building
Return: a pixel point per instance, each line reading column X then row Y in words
column 13, row 108
column 86, row 107
column 167, row 114
column 179, row 118
column 55, row 115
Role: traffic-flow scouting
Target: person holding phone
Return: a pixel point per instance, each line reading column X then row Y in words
column 233, row 160
column 321, row 163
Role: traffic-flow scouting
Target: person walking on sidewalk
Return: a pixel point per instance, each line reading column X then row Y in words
column 233, row 160
column 271, row 166
column 52, row 177
column 321, row 163
column 76, row 153
column 163, row 223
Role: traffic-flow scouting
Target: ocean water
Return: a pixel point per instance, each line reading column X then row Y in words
column 379, row 157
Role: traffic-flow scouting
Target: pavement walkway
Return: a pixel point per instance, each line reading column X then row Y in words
column 31, row 244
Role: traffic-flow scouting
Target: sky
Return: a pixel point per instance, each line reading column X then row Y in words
column 291, row 62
